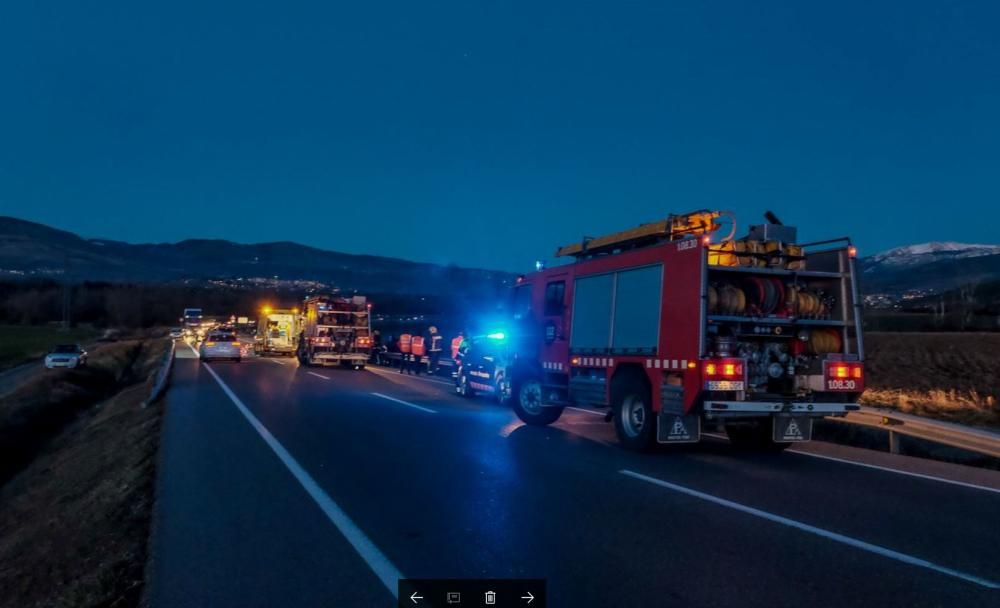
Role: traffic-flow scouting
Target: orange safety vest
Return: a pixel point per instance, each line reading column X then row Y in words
column 418, row 346
column 456, row 343
column 404, row 343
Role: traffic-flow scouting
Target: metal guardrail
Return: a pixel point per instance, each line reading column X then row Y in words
column 445, row 361
column 162, row 376
column 945, row 433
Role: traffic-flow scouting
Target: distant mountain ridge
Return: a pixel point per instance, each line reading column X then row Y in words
column 933, row 251
column 30, row 249
column 930, row 267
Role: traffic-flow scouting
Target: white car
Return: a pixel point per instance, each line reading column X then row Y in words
column 66, row 355
column 218, row 345
column 176, row 332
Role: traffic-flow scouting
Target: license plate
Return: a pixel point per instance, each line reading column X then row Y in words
column 725, row 385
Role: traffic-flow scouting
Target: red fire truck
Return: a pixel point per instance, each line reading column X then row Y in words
column 669, row 326
column 337, row 331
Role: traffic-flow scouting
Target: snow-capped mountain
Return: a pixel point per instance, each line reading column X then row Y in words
column 926, row 253
column 930, row 268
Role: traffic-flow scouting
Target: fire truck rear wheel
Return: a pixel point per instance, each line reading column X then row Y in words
column 526, row 402
column 755, row 436
column 635, row 421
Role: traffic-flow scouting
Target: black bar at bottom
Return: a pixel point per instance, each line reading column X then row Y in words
column 471, row 593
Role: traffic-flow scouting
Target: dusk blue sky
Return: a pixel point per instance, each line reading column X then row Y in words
column 486, row 134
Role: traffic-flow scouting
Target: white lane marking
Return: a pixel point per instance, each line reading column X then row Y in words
column 834, row 536
column 276, row 361
column 318, row 375
column 406, row 403
column 897, row 471
column 953, row 482
column 580, row 409
column 376, row 560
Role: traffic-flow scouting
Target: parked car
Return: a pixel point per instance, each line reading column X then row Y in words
column 220, row 345
column 66, row 355
column 177, row 332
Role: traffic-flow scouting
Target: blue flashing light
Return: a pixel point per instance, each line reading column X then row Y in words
column 499, row 335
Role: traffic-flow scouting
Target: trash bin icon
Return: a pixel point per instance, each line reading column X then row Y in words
column 491, row 598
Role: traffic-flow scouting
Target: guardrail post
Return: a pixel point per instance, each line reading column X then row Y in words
column 893, row 442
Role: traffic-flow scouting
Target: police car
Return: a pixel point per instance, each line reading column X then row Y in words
column 483, row 367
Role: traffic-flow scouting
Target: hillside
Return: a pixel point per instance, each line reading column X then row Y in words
column 929, row 268
column 28, row 249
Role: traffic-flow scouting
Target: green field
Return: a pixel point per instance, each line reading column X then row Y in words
column 21, row 343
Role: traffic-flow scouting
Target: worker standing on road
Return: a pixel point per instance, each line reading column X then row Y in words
column 405, row 347
column 417, row 357
column 456, row 344
column 434, row 351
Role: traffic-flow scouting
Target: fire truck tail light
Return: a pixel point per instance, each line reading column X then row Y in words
column 575, row 361
column 844, row 376
column 724, row 368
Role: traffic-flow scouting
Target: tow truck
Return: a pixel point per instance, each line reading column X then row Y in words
column 673, row 325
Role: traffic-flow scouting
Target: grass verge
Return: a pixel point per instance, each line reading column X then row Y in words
column 74, row 518
column 22, row 343
column 949, row 376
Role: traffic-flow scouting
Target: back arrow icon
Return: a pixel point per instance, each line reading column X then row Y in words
column 416, row 597
column 528, row 597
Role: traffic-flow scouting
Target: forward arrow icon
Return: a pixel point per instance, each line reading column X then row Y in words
column 528, row 597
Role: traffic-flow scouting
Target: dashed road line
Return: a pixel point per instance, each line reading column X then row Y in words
column 827, row 534
column 406, row 403
column 318, row 375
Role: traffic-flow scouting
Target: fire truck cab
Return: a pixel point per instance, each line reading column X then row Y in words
column 670, row 331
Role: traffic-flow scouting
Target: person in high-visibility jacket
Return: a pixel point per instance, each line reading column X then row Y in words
column 405, row 348
column 434, row 349
column 456, row 344
column 418, row 352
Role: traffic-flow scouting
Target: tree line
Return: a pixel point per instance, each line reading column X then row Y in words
column 141, row 305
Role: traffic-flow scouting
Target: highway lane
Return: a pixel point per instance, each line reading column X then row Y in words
column 448, row 487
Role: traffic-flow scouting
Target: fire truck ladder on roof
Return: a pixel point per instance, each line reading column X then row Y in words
column 673, row 228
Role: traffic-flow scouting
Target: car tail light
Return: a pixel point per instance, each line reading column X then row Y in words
column 848, row 376
column 724, row 374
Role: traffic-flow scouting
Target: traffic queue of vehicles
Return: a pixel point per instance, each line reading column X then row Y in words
column 664, row 327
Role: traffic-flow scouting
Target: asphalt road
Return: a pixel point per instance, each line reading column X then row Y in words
column 288, row 486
